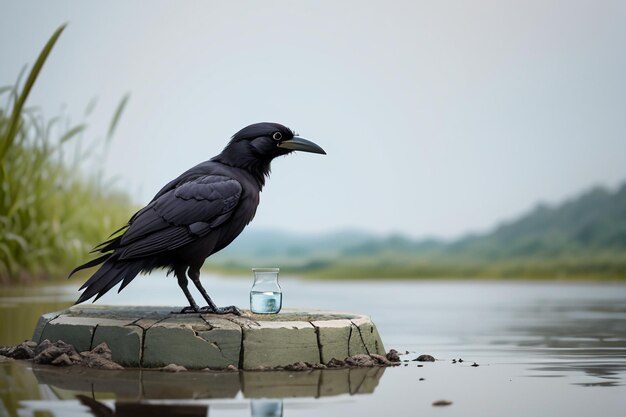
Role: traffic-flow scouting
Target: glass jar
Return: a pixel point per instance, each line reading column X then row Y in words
column 266, row 296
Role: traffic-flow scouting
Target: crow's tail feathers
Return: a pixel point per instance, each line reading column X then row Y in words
column 111, row 273
column 89, row 264
column 111, row 244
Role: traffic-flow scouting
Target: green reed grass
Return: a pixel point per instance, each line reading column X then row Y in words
column 50, row 214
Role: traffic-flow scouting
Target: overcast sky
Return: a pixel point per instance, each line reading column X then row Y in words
column 439, row 118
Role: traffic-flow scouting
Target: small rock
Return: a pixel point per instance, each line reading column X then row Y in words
column 60, row 353
column 25, row 350
column 335, row 363
column 172, row 367
column 43, row 346
column 382, row 360
column 360, row 360
column 475, row 364
column 393, row 356
column 420, row 366
column 22, row 351
column 62, row 360
column 103, row 363
column 424, row 358
column 461, row 360
column 422, row 379
column 232, row 368
column 5, row 359
column 298, row 366
column 440, row 403
column 319, row 366
column 407, row 352
column 453, row 360
column 102, row 350
column 53, row 351
column 99, row 358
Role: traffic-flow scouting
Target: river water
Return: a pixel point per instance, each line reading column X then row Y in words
column 542, row 349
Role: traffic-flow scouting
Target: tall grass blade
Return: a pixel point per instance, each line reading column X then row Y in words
column 14, row 122
column 117, row 115
column 91, row 106
column 72, row 132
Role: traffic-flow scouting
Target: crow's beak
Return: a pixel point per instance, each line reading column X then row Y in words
column 301, row 144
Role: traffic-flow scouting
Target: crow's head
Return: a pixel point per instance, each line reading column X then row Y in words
column 269, row 140
column 254, row 147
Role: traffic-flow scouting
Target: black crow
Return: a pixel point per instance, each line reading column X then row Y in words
column 195, row 215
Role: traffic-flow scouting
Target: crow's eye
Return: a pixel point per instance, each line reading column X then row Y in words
column 277, row 136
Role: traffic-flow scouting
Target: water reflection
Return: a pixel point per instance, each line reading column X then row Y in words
column 258, row 408
column 20, row 308
column 141, row 392
column 586, row 336
column 609, row 372
column 127, row 409
column 266, row 408
column 138, row 384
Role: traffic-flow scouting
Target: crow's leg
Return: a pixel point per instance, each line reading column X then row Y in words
column 194, row 275
column 182, row 282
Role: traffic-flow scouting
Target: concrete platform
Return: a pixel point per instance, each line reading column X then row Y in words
column 152, row 337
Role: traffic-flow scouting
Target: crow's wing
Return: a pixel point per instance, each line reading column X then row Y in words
column 180, row 216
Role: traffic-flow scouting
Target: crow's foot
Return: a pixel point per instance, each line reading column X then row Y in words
column 221, row 310
column 188, row 310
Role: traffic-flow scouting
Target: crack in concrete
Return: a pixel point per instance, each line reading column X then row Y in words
column 136, row 323
column 157, row 322
column 133, row 324
column 214, row 344
column 234, row 322
column 319, row 343
column 361, row 336
column 46, row 325
column 143, row 337
column 241, row 326
column 211, row 327
column 241, row 322
column 350, row 338
column 241, row 357
column 143, row 343
column 93, row 335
